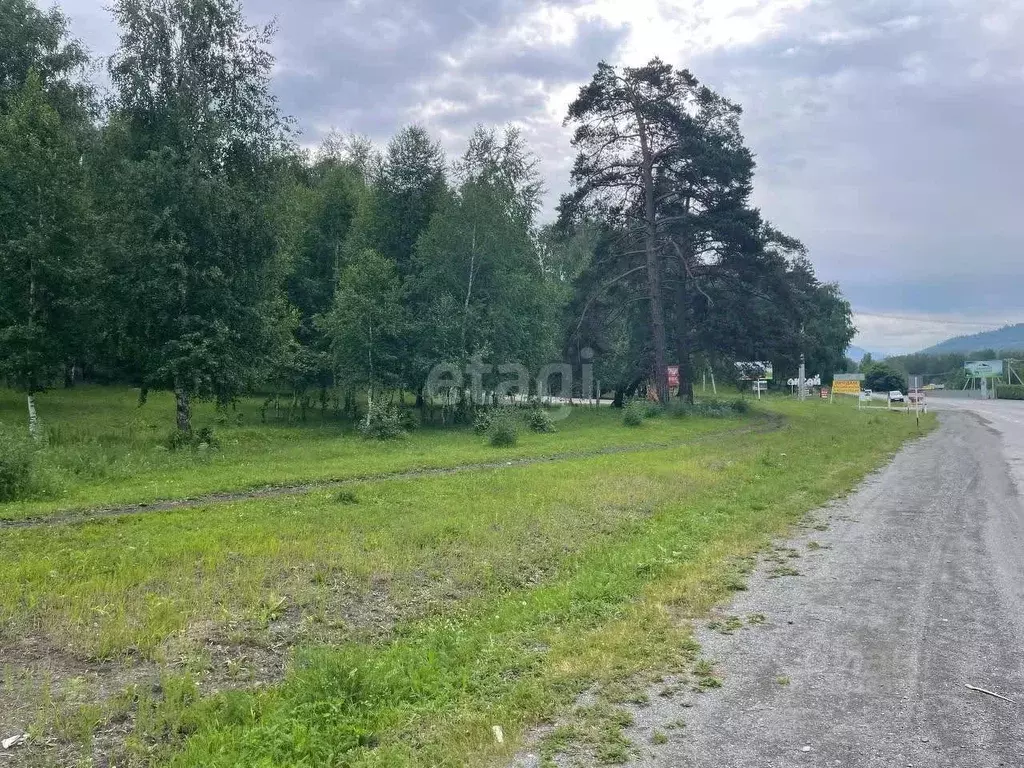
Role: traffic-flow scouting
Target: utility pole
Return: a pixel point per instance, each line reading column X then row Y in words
column 803, row 378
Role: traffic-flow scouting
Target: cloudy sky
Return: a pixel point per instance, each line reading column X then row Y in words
column 887, row 132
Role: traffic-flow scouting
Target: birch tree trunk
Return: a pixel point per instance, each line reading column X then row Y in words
column 33, row 420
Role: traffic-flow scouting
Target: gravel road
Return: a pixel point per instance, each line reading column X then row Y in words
column 916, row 590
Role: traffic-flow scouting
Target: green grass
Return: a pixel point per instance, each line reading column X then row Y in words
column 415, row 614
column 103, row 449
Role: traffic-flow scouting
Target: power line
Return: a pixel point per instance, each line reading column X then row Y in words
column 910, row 318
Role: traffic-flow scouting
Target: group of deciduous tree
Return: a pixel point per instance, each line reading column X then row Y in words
column 174, row 235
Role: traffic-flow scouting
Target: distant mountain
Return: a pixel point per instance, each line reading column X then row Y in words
column 1010, row 337
column 856, row 353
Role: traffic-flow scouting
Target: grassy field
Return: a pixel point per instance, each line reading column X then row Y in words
column 395, row 621
column 103, row 449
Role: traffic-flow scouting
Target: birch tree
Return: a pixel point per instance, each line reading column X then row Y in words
column 43, row 248
column 191, row 242
column 366, row 325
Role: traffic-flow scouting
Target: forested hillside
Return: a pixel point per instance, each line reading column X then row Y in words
column 1009, row 337
column 175, row 236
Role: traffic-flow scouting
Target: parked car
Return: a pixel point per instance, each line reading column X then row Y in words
column 895, row 396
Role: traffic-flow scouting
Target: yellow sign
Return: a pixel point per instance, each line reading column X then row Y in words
column 841, row 387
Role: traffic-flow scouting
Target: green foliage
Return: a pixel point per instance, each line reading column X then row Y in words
column 638, row 293
column 187, row 186
column 476, row 274
column 382, row 422
column 482, row 421
column 366, row 323
column 634, row 413
column 197, row 439
column 17, row 465
column 710, row 408
column 503, row 430
column 37, row 41
column 882, row 377
column 43, row 213
column 539, row 420
column 1010, row 392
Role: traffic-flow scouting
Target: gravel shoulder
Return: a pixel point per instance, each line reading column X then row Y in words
column 914, row 590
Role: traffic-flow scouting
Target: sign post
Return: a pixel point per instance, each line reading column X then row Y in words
column 984, row 371
column 848, row 384
column 758, row 372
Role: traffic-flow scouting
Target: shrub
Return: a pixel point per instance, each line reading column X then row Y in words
column 740, row 405
column 17, row 466
column 1010, row 392
column 197, row 439
column 710, row 408
column 407, row 420
column 539, row 420
column 382, row 422
column 651, row 409
column 482, row 422
column 634, row 413
column 680, row 409
column 503, row 430
column 346, row 496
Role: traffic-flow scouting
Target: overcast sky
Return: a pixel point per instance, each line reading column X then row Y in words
column 888, row 133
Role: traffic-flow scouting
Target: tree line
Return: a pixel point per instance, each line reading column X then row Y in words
column 173, row 234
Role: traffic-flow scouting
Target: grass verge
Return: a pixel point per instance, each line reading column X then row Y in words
column 495, row 598
column 101, row 449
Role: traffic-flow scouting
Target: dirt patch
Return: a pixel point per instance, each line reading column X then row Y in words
column 78, row 709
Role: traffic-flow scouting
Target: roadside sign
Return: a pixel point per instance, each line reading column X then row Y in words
column 754, row 371
column 845, row 386
column 984, row 369
column 825, row 393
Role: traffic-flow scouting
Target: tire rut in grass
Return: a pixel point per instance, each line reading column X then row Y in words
column 69, row 517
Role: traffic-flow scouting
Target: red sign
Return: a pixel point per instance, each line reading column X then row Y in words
column 824, row 393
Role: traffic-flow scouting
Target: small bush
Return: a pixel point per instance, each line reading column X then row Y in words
column 1010, row 392
column 651, row 409
column 680, row 409
column 503, row 430
column 709, row 409
column 539, row 420
column 346, row 496
column 382, row 422
column 407, row 420
column 198, row 439
column 634, row 413
column 482, row 422
column 17, row 466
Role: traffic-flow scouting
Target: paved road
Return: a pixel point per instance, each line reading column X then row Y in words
column 920, row 591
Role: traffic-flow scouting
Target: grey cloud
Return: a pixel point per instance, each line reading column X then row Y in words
column 902, row 182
